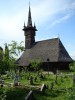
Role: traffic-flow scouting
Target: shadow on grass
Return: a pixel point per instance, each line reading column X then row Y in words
column 36, row 84
column 47, row 94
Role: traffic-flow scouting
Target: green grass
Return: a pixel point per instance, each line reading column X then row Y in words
column 15, row 93
column 50, row 95
column 39, row 81
column 58, row 92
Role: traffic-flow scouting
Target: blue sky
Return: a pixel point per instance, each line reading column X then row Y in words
column 53, row 18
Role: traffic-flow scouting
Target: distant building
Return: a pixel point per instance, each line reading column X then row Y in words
column 51, row 52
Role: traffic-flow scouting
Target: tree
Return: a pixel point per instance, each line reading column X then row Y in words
column 70, row 94
column 6, row 57
column 35, row 64
column 12, row 51
column 15, row 48
column 1, row 60
column 72, row 66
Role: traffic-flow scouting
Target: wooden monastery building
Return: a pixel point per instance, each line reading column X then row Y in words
column 51, row 52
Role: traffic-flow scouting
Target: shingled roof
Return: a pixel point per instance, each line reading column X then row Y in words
column 51, row 49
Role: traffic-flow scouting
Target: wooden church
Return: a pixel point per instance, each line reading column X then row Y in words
column 51, row 52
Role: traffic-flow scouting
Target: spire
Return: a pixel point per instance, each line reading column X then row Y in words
column 34, row 25
column 24, row 25
column 29, row 24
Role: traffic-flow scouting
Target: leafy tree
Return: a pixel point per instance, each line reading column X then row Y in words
column 72, row 66
column 70, row 94
column 6, row 57
column 15, row 48
column 35, row 64
column 12, row 51
column 1, row 60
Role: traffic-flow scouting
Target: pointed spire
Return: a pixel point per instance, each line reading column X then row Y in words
column 34, row 25
column 24, row 25
column 29, row 24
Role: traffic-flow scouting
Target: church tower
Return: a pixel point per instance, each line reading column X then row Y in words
column 29, row 32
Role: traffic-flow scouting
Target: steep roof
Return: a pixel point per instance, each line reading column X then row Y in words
column 51, row 49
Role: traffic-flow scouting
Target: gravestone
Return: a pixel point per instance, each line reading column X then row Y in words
column 13, row 75
column 2, row 83
column 61, row 77
column 41, row 76
column 57, row 73
column 31, row 80
column 29, row 95
column 16, row 81
column 46, row 86
column 8, row 74
column 19, row 77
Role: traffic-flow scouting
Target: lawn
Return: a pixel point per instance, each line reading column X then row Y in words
column 58, row 92
column 15, row 93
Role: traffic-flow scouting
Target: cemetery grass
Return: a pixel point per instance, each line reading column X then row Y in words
column 58, row 92
column 63, row 82
column 51, row 95
column 25, row 81
column 14, row 93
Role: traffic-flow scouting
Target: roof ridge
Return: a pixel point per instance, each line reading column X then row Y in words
column 47, row 40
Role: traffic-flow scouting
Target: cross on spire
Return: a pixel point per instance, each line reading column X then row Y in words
column 29, row 24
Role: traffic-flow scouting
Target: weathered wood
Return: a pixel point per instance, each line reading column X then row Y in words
column 43, row 87
column 29, row 96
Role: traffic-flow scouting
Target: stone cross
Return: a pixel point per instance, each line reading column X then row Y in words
column 31, row 80
column 16, row 81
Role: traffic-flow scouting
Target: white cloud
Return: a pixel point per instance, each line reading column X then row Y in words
column 11, row 27
column 60, row 20
column 43, row 11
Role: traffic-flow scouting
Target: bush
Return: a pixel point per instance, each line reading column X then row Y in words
column 13, row 93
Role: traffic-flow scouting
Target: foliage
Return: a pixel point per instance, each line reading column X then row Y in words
column 58, row 93
column 70, row 94
column 35, row 64
column 2, row 94
column 8, row 58
column 15, row 48
column 1, row 60
column 13, row 93
column 72, row 66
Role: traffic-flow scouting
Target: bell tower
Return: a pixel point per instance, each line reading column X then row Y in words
column 29, row 32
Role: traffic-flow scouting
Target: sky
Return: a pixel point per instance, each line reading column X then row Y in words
column 53, row 18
